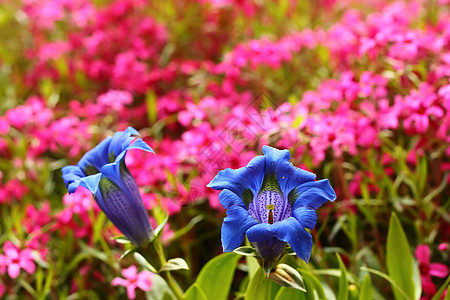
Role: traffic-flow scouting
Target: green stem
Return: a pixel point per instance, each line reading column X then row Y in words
column 166, row 274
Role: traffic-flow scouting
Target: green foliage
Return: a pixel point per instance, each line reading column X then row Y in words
column 215, row 278
column 399, row 259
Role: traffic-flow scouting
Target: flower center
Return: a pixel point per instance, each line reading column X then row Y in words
column 270, row 207
column 424, row 269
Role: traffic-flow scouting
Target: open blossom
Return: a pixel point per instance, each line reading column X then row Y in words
column 103, row 172
column 15, row 259
column 428, row 269
column 134, row 280
column 272, row 202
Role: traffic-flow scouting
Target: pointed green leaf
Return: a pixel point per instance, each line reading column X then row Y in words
column 175, row 264
column 343, row 282
column 287, row 293
column 194, row 292
column 158, row 229
column 366, row 291
column 216, row 276
column 261, row 287
column 126, row 252
column 394, row 285
column 144, row 263
column 312, row 284
column 399, row 260
column 287, row 276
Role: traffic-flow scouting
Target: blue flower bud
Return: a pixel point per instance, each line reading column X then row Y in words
column 102, row 170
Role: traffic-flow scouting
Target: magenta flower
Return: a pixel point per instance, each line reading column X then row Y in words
column 428, row 269
column 134, row 280
column 15, row 259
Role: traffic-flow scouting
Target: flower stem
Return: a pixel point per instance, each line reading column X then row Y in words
column 166, row 274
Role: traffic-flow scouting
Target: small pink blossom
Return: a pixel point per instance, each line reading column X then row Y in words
column 428, row 269
column 114, row 99
column 15, row 259
column 134, row 280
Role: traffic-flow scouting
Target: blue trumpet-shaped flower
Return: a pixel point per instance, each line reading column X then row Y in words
column 272, row 202
column 102, row 170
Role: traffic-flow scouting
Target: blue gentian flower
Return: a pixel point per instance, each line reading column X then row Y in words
column 102, row 170
column 272, row 202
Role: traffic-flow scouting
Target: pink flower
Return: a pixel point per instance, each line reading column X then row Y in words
column 115, row 99
column 134, row 280
column 15, row 259
column 428, row 269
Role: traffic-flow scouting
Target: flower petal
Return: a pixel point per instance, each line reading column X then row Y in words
column 95, row 158
column 13, row 270
column 137, row 144
column 268, row 246
column 227, row 198
column 120, row 142
column 130, row 291
column 119, row 281
column 291, row 231
column 91, row 182
column 71, row 176
column 237, row 181
column 313, row 194
column 438, row 270
column 423, row 254
column 289, row 177
column 144, row 281
column 123, row 209
column 130, row 272
column 306, row 216
column 234, row 226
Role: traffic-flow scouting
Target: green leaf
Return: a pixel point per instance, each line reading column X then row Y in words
column 245, row 251
column 194, row 292
column 216, row 276
column 174, row 264
column 260, row 287
column 366, row 289
column 252, row 265
column 287, row 276
column 144, row 263
column 312, row 284
column 394, row 285
column 159, row 229
column 399, row 260
column 126, row 252
column 160, row 290
column 343, row 283
column 287, row 293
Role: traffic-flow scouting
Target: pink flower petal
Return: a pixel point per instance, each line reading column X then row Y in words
column 423, row 254
column 144, row 281
column 119, row 281
column 13, row 270
column 28, row 266
column 438, row 270
column 130, row 272
column 130, row 291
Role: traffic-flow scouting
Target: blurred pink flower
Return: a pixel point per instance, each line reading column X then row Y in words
column 15, row 259
column 114, row 99
column 134, row 280
column 428, row 269
column 419, row 106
